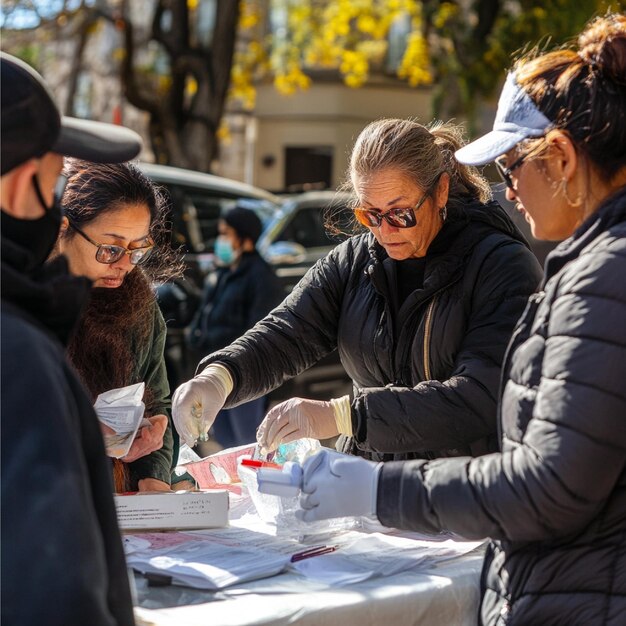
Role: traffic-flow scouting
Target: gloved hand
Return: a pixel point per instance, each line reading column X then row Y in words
column 196, row 402
column 338, row 485
column 298, row 417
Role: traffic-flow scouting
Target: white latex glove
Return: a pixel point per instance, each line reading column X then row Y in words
column 298, row 417
column 196, row 402
column 338, row 485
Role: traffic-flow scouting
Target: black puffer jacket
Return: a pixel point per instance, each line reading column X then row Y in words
column 554, row 500
column 425, row 386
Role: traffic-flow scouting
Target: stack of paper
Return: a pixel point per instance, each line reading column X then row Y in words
column 377, row 554
column 208, row 559
column 120, row 412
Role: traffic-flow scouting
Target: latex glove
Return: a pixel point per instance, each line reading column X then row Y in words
column 148, row 439
column 298, row 417
column 196, row 402
column 338, row 485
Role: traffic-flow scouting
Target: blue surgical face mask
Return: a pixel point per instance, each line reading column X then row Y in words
column 224, row 251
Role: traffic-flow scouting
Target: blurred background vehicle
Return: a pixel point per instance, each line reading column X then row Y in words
column 294, row 237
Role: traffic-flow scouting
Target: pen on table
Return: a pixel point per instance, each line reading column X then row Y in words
column 318, row 551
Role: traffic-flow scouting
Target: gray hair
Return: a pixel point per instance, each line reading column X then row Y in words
column 421, row 153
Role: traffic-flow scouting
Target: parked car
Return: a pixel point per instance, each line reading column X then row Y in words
column 293, row 238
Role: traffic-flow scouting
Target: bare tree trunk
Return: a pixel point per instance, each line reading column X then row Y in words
column 183, row 126
column 89, row 19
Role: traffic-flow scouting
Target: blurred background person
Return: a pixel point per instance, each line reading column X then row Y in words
column 113, row 232
column 420, row 307
column 554, row 500
column 241, row 290
column 62, row 557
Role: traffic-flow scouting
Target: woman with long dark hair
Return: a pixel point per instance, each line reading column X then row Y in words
column 114, row 233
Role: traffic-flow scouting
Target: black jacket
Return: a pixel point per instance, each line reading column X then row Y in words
column 554, row 500
column 62, row 557
column 425, row 377
column 233, row 301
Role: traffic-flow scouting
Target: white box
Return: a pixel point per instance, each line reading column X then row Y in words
column 183, row 510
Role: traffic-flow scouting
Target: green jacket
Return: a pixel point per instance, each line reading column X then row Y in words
column 150, row 368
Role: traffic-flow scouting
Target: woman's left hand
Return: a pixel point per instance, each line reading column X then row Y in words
column 294, row 419
column 148, row 439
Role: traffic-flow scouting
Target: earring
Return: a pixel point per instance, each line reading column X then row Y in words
column 579, row 197
column 443, row 213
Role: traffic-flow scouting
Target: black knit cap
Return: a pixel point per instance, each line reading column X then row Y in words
column 246, row 223
column 31, row 124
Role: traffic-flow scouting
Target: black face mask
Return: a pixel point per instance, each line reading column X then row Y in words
column 36, row 236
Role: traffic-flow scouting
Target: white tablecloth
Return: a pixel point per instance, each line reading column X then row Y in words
column 444, row 595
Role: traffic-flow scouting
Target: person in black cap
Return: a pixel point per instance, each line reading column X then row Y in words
column 62, row 557
column 240, row 292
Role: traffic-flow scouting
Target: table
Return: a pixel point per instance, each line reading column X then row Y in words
column 443, row 595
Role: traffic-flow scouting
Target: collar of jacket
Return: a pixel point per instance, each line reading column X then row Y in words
column 245, row 261
column 48, row 295
column 611, row 212
column 467, row 225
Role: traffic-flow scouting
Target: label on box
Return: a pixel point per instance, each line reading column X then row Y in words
column 171, row 510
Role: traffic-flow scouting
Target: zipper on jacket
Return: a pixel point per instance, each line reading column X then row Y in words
column 427, row 331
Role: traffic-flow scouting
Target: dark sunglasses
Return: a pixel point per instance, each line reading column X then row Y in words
column 108, row 254
column 398, row 218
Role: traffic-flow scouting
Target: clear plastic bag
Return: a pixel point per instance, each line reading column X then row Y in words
column 281, row 512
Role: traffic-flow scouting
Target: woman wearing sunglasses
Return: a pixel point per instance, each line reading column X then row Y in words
column 420, row 306
column 554, row 500
column 113, row 233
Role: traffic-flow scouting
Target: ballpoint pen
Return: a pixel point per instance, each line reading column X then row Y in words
column 317, row 551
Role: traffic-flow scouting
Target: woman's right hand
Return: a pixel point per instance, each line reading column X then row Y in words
column 196, row 403
column 148, row 439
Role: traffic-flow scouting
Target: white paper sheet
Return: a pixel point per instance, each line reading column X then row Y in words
column 121, row 412
column 377, row 554
column 210, row 559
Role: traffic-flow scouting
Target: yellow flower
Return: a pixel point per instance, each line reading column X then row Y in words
column 191, row 86
column 415, row 62
column 223, row 133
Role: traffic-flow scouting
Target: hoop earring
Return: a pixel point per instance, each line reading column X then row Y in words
column 443, row 213
column 579, row 197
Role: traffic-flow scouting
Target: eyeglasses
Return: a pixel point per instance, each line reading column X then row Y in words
column 108, row 254
column 398, row 218
column 505, row 172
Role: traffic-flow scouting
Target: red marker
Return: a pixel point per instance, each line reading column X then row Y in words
column 258, row 464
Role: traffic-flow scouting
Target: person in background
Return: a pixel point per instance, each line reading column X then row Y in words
column 420, row 306
column 62, row 557
column 553, row 501
column 237, row 294
column 113, row 232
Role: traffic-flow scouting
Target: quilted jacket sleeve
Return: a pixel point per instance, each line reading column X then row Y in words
column 294, row 336
column 560, row 473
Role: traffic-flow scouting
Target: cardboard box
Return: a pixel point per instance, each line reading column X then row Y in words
column 183, row 510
